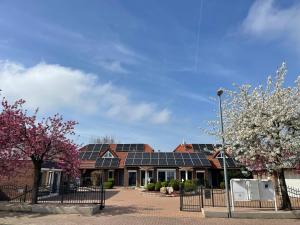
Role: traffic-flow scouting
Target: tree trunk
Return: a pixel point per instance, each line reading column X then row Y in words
column 286, row 202
column 36, row 181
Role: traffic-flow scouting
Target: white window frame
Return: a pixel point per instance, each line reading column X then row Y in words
column 165, row 170
column 108, row 155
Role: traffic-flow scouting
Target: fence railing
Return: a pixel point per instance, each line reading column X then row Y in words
column 199, row 197
column 65, row 194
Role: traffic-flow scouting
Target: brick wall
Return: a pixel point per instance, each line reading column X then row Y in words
column 23, row 176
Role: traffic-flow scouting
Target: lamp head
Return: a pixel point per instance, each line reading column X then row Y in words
column 220, row 92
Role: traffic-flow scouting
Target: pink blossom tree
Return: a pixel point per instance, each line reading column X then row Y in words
column 23, row 137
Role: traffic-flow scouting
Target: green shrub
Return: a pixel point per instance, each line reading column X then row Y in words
column 189, row 186
column 164, row 184
column 108, row 185
column 111, row 180
column 150, row 187
column 174, row 184
column 157, row 186
column 222, row 185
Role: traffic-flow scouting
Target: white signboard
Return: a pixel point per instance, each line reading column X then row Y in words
column 266, row 190
column 253, row 190
column 240, row 190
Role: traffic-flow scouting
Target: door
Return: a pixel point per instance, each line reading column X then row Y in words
column 132, row 178
column 54, row 183
column 143, row 178
column 200, row 177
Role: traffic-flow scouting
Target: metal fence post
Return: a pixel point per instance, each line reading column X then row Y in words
column 25, row 193
column 62, row 194
column 212, row 197
column 202, row 202
column 181, row 197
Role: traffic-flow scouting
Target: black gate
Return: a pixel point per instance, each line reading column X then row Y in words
column 191, row 198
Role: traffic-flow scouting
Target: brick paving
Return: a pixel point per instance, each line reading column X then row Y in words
column 132, row 207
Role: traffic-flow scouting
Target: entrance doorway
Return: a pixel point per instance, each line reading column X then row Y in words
column 200, row 177
column 132, row 177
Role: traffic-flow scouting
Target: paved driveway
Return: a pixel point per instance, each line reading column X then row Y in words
column 132, row 207
column 136, row 202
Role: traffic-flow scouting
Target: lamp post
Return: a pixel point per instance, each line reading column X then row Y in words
column 219, row 93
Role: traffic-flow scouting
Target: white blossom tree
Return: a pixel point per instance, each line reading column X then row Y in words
column 262, row 126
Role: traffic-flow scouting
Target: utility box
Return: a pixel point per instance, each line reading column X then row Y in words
column 252, row 190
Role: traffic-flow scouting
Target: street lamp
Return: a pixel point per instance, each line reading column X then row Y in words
column 219, row 93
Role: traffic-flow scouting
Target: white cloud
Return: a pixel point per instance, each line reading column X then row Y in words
column 113, row 66
column 54, row 87
column 266, row 20
column 196, row 97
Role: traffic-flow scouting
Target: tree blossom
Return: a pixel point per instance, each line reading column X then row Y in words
column 23, row 137
column 262, row 126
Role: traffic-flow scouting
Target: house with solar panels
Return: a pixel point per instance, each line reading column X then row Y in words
column 139, row 164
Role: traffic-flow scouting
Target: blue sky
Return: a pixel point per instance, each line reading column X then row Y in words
column 142, row 71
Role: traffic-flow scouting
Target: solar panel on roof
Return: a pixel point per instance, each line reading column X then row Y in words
column 133, row 147
column 104, row 147
column 146, row 155
column 90, row 147
column 210, row 147
column 154, row 161
column 177, row 155
column 188, row 162
column 197, row 162
column 193, row 155
column 140, row 146
column 167, row 159
column 119, row 147
column 81, row 155
column 99, row 162
column 94, row 155
column 162, row 162
column 107, row 163
column 201, row 155
column 145, row 162
column 130, row 155
column 129, row 162
column 186, row 155
column 154, row 155
column 162, row 155
column 171, row 162
column 126, row 147
column 96, row 148
column 87, row 155
column 179, row 162
column 138, row 155
column 114, row 163
column 195, row 146
column 169, row 155
column 137, row 161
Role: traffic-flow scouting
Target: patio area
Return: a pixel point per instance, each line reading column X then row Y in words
column 121, row 201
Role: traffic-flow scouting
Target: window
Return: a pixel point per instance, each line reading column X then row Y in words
column 182, row 174
column 220, row 155
column 166, row 175
column 110, row 174
column 185, row 174
column 190, row 175
column 108, row 155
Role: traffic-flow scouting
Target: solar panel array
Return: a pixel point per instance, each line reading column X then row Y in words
column 130, row 148
column 230, row 163
column 173, row 159
column 92, row 151
column 107, row 163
